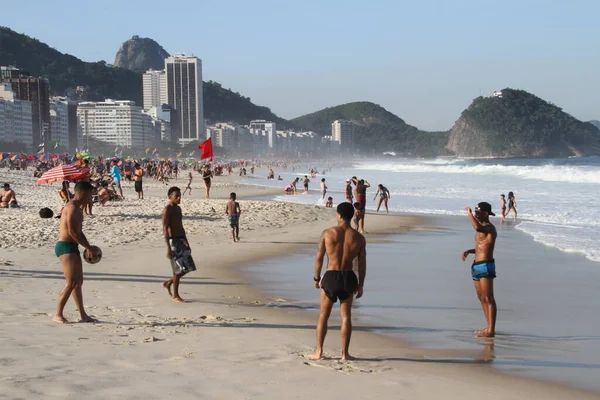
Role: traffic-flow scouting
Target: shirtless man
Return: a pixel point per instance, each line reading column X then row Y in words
column 483, row 270
column 342, row 244
column 138, row 174
column 178, row 247
column 233, row 211
column 66, row 249
column 8, row 198
column 306, row 181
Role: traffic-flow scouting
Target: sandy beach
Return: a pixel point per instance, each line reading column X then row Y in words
column 229, row 341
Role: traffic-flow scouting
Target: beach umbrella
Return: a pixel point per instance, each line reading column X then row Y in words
column 44, row 157
column 30, row 157
column 4, row 156
column 16, row 157
column 63, row 173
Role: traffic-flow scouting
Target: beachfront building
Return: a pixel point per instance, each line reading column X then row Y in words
column 223, row 135
column 16, row 124
column 119, row 122
column 342, row 132
column 154, row 88
column 184, row 96
column 37, row 91
column 265, row 133
column 163, row 114
column 63, row 125
column 9, row 72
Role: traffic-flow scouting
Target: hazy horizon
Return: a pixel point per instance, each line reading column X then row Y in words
column 424, row 62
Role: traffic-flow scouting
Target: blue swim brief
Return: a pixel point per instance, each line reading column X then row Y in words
column 483, row 269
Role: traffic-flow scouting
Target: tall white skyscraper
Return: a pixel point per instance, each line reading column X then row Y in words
column 184, row 96
column 155, row 88
column 343, row 133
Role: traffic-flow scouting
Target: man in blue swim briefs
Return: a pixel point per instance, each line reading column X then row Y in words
column 483, row 270
column 342, row 244
column 66, row 249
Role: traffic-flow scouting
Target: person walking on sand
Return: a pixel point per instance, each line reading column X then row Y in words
column 70, row 235
column 483, row 270
column 342, row 244
column 178, row 247
column 138, row 174
column 115, row 173
column 512, row 205
column 384, row 195
column 233, row 211
column 206, row 175
column 323, row 189
column 188, row 186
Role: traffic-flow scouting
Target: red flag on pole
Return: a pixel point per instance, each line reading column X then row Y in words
column 206, row 149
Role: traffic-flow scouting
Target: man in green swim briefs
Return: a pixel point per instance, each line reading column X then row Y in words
column 69, row 237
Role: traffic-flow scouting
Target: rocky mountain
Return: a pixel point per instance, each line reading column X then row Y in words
column 376, row 129
column 140, row 54
column 519, row 124
column 65, row 72
column 595, row 122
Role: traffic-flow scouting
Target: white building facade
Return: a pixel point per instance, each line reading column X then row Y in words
column 16, row 118
column 342, row 132
column 185, row 97
column 266, row 134
column 59, row 123
column 154, row 88
column 117, row 122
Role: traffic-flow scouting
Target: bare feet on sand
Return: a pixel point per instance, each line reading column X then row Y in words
column 179, row 300
column 60, row 319
column 315, row 356
column 348, row 357
column 167, row 285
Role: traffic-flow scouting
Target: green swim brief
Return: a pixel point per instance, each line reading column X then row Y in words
column 64, row 247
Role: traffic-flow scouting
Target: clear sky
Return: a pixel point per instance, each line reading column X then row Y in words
column 424, row 60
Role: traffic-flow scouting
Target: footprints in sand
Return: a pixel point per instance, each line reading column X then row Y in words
column 346, row 367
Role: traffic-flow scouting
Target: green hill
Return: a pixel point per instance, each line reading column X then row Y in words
column 65, row 72
column 519, row 124
column 376, row 129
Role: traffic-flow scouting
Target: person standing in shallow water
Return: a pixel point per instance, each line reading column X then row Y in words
column 483, row 270
column 342, row 244
column 512, row 205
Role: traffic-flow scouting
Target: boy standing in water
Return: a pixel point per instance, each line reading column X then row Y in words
column 483, row 270
column 233, row 211
column 178, row 247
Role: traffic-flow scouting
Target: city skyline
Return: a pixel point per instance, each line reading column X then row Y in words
column 424, row 62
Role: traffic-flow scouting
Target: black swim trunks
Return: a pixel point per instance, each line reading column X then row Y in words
column 339, row 284
column 138, row 186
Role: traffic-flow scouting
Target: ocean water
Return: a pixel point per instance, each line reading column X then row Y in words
column 557, row 199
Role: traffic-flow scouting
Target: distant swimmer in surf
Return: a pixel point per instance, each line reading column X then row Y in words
column 503, row 207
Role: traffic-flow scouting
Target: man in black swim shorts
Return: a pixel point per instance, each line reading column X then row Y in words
column 342, row 244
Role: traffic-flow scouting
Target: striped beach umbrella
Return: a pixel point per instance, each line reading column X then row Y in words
column 63, row 173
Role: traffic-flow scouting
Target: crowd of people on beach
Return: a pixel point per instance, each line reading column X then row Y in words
column 342, row 244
